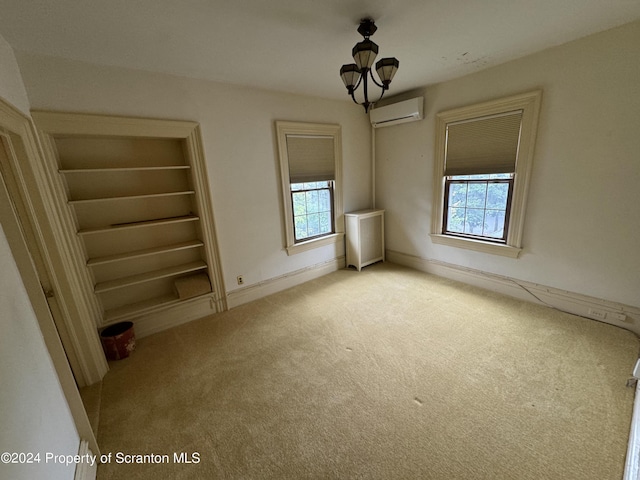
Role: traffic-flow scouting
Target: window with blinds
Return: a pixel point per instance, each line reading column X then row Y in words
column 310, row 162
column 311, row 174
column 483, row 161
column 480, row 162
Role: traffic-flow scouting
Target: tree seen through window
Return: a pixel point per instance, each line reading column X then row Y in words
column 477, row 205
column 312, row 209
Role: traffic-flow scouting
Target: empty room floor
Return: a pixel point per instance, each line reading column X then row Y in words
column 381, row 374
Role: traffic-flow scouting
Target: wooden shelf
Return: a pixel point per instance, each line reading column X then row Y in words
column 149, row 276
column 130, row 197
column 148, row 223
column 115, row 314
column 123, row 169
column 143, row 253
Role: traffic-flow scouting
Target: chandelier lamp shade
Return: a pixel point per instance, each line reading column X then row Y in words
column 364, row 54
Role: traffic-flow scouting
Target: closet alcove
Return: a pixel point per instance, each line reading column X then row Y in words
column 137, row 201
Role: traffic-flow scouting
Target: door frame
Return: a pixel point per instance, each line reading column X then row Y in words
column 15, row 142
column 42, row 218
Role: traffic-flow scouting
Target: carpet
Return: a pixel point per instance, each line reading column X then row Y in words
column 387, row 373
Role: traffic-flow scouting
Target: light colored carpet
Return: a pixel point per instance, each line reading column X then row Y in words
column 386, row 374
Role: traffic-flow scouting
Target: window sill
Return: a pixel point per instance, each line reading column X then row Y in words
column 315, row 243
column 476, row 245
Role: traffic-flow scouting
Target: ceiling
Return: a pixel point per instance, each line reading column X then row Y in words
column 299, row 45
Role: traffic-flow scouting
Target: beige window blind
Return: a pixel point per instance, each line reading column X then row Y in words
column 483, row 145
column 311, row 158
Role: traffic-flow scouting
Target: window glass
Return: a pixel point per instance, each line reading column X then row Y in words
column 312, row 209
column 477, row 205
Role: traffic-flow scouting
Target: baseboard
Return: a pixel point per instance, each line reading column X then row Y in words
column 249, row 293
column 84, row 470
column 183, row 312
column 618, row 314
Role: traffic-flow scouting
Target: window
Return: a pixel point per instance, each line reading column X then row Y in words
column 310, row 166
column 482, row 166
column 477, row 206
column 312, row 209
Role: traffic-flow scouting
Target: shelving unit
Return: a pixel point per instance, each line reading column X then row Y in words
column 134, row 204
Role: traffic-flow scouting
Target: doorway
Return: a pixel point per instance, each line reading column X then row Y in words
column 39, row 217
column 25, row 237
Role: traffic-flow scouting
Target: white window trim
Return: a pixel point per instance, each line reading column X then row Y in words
column 529, row 103
column 297, row 128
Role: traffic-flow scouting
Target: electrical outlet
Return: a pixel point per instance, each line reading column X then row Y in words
column 240, row 280
column 620, row 317
column 597, row 314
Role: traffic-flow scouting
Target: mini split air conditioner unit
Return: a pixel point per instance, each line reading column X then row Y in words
column 401, row 112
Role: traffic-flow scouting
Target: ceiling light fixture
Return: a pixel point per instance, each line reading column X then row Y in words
column 364, row 54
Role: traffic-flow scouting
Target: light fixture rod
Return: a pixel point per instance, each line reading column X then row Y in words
column 364, row 54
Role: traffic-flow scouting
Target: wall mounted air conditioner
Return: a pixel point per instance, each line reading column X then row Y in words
column 401, row 112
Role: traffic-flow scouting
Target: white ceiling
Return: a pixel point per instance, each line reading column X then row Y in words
column 299, row 45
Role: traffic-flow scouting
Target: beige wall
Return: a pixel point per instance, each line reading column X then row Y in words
column 582, row 228
column 239, row 140
column 11, row 85
column 33, row 411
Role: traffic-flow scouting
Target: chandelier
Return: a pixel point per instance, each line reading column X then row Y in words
column 364, row 53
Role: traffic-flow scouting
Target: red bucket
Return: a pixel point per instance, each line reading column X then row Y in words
column 118, row 340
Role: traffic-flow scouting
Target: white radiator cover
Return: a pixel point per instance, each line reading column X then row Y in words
column 364, row 237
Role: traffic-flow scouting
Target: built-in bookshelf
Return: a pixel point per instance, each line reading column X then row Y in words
column 136, row 201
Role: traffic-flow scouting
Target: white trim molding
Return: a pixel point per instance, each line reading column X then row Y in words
column 43, row 215
column 476, row 245
column 195, row 154
column 86, row 470
column 613, row 313
column 249, row 293
column 335, row 238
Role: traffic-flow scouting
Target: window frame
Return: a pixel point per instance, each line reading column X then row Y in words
column 529, row 103
column 283, row 129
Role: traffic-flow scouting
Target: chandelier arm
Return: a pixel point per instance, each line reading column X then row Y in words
column 374, row 80
column 352, row 91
